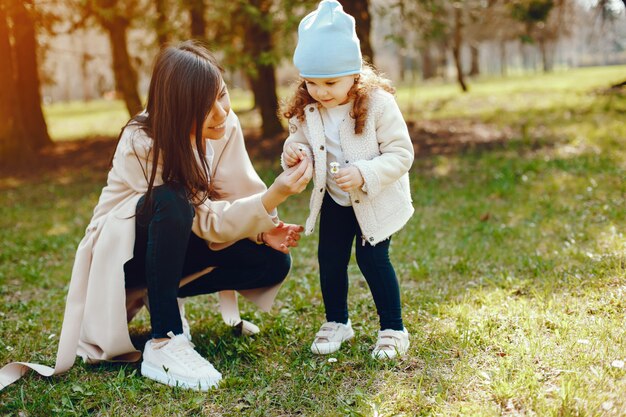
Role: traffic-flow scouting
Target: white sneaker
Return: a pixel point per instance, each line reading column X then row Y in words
column 330, row 336
column 175, row 362
column 391, row 343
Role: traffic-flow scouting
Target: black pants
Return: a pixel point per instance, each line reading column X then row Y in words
column 338, row 229
column 166, row 251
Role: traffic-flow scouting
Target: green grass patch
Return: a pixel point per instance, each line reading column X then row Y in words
column 513, row 277
column 80, row 119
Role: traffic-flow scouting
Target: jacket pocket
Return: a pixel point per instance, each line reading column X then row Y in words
column 391, row 200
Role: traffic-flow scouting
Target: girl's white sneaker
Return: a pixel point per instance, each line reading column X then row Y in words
column 330, row 336
column 391, row 343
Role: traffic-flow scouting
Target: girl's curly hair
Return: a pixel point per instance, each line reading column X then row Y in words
column 367, row 81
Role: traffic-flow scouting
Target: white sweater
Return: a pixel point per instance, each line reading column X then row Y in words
column 383, row 153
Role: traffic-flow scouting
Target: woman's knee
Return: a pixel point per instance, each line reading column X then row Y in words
column 280, row 265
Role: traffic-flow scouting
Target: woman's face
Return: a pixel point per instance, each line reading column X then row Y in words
column 214, row 126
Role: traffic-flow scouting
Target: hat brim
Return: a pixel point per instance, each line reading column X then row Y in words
column 333, row 75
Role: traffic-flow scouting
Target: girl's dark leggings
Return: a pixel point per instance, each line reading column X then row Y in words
column 166, row 251
column 338, row 229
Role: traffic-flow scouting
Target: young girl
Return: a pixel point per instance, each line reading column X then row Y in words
column 183, row 213
column 344, row 118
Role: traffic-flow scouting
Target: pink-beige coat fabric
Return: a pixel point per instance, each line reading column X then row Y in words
column 98, row 308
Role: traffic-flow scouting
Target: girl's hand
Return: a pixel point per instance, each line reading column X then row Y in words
column 349, row 178
column 293, row 154
column 283, row 237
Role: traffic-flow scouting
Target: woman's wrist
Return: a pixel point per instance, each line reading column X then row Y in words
column 271, row 199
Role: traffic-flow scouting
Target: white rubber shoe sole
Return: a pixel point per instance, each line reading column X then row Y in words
column 168, row 378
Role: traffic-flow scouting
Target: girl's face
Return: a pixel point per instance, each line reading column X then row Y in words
column 330, row 92
column 214, row 126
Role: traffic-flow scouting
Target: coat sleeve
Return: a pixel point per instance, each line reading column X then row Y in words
column 395, row 147
column 239, row 214
column 297, row 136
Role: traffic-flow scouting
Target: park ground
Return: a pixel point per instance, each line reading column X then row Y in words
column 513, row 270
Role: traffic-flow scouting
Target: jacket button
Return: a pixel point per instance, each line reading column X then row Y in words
column 357, row 201
column 371, row 239
column 347, row 162
column 321, row 190
column 322, row 148
column 311, row 109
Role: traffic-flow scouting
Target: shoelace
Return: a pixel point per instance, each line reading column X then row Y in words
column 184, row 350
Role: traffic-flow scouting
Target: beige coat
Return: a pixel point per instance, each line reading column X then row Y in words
column 98, row 308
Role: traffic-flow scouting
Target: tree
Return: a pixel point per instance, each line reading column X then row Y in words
column 22, row 127
column 110, row 14
column 457, row 44
column 534, row 14
column 12, row 150
column 161, row 26
column 606, row 13
column 28, row 84
column 258, row 46
column 359, row 9
column 245, row 31
column 197, row 10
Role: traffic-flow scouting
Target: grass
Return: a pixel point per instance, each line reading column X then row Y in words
column 79, row 119
column 513, row 276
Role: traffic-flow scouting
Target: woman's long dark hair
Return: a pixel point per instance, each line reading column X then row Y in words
column 185, row 83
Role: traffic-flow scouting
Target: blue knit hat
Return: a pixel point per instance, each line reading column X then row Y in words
column 327, row 43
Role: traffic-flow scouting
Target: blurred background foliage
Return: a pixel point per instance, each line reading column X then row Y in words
column 84, row 50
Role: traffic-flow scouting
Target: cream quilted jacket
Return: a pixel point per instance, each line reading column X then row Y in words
column 383, row 153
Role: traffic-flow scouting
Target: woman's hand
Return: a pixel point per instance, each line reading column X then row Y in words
column 289, row 182
column 349, row 178
column 283, row 237
column 292, row 154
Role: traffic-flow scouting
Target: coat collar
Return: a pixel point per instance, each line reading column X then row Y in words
column 313, row 118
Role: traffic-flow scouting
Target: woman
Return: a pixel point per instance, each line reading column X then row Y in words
column 183, row 213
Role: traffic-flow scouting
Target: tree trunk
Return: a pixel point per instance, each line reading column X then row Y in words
column 84, row 72
column 359, row 9
column 503, row 58
column 428, row 66
column 258, row 46
column 14, row 143
column 125, row 75
column 123, row 71
column 28, row 84
column 545, row 58
column 264, row 90
column 197, row 10
column 475, row 66
column 456, row 47
column 442, row 59
column 161, row 26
